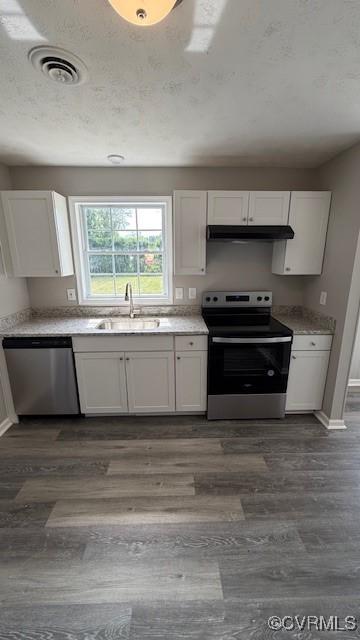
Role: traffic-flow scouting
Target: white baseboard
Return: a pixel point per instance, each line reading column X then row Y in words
column 5, row 425
column 332, row 425
column 354, row 384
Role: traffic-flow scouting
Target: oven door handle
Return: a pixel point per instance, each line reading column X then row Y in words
column 250, row 340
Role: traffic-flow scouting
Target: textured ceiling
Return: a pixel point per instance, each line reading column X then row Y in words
column 219, row 82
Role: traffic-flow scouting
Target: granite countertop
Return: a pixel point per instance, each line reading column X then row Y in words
column 302, row 324
column 76, row 326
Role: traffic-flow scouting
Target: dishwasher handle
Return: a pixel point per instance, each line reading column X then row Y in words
column 37, row 343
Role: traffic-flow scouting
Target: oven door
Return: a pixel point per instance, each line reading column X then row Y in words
column 248, row 365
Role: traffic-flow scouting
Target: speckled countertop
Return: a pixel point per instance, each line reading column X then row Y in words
column 48, row 327
column 302, row 324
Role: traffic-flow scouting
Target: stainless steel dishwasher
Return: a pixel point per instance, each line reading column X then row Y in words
column 42, row 375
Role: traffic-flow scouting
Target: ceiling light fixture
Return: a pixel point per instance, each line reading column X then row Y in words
column 144, row 13
column 116, row 158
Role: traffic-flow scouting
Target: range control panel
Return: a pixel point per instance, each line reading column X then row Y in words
column 237, row 299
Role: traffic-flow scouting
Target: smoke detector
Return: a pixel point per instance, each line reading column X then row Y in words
column 58, row 65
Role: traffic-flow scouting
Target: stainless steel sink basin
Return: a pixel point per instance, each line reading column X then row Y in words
column 128, row 324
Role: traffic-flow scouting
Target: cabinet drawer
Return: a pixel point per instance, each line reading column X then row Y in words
column 123, row 343
column 191, row 343
column 312, row 343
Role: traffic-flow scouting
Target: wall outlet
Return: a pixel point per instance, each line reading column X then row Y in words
column 192, row 293
column 179, row 293
column 71, row 295
column 323, row 297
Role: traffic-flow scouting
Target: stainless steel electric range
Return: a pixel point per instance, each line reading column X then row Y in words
column 249, row 356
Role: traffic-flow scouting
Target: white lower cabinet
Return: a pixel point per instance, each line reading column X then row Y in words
column 150, row 382
column 191, row 382
column 307, row 378
column 102, row 382
column 137, row 374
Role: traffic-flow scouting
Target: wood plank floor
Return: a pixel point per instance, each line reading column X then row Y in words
column 177, row 528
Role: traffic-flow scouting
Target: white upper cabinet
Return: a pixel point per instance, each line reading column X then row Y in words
column 309, row 216
column 248, row 207
column 38, row 233
column 269, row 207
column 190, row 233
column 228, row 207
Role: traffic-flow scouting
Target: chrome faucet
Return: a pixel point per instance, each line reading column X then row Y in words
column 129, row 298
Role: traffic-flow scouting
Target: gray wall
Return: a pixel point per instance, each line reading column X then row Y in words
column 234, row 267
column 13, row 291
column 341, row 273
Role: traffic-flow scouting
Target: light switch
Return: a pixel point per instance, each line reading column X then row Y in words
column 179, row 293
column 192, row 293
column 323, row 297
column 71, row 295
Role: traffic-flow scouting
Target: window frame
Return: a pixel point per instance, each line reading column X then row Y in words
column 78, row 239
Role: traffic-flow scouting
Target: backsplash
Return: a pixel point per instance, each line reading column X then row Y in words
column 305, row 315
column 100, row 312
column 15, row 318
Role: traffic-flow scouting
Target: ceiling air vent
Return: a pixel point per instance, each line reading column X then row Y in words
column 58, row 65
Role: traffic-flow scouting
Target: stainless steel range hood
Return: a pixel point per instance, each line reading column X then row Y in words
column 244, row 233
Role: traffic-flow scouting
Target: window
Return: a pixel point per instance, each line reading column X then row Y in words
column 122, row 240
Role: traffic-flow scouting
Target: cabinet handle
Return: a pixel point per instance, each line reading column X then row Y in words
column 191, row 344
column 251, row 219
column 127, row 359
column 121, row 359
column 244, row 219
column 313, row 344
column 202, row 270
column 178, row 358
column 287, row 269
column 56, row 271
column 293, row 357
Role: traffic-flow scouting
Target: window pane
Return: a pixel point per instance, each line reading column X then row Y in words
column 149, row 218
column 125, row 241
column 102, row 286
column 98, row 219
column 123, row 218
column 101, row 264
column 150, row 241
column 151, row 263
column 152, row 285
column 100, row 241
column 121, row 282
column 125, row 264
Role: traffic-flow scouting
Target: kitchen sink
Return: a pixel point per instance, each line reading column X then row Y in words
column 128, row 324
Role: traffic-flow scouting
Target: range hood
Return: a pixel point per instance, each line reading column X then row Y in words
column 245, row 233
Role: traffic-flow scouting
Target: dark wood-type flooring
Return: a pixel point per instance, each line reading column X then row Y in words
column 177, row 528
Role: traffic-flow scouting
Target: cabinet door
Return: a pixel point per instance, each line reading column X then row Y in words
column 191, row 383
column 102, row 382
column 309, row 215
column 190, row 232
column 228, row 207
column 31, row 233
column 269, row 207
column 150, row 382
column 38, row 233
column 307, row 378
